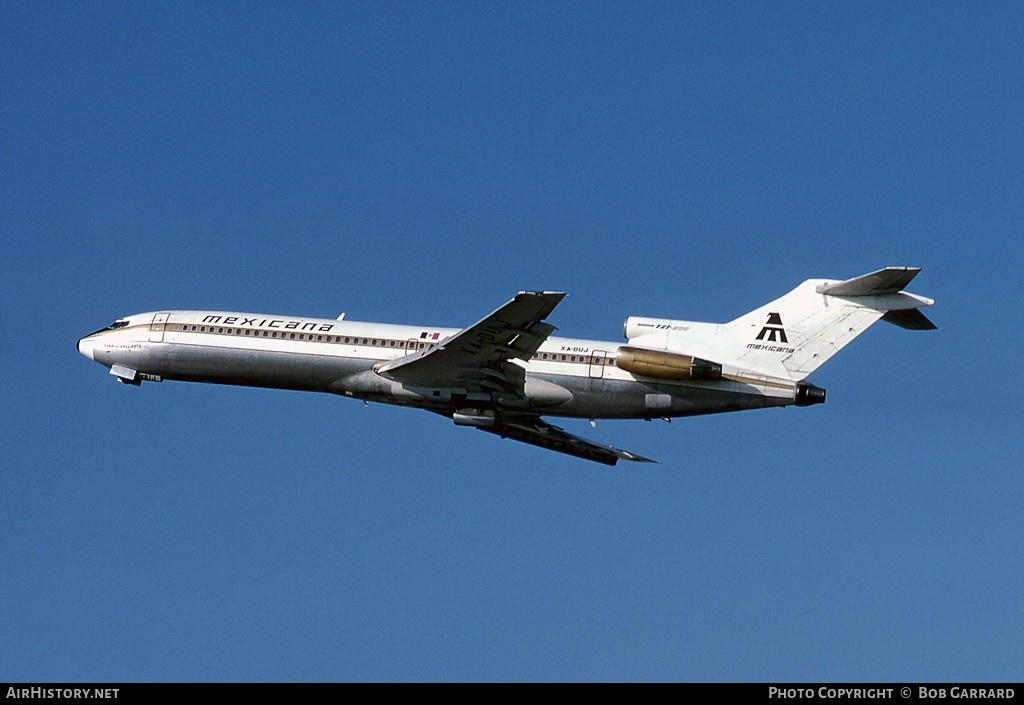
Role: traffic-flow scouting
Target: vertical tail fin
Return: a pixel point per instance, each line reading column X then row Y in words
column 794, row 335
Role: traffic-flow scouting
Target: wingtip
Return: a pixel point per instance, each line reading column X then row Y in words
column 626, row 455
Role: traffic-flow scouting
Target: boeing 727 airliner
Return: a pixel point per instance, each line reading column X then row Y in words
column 504, row 373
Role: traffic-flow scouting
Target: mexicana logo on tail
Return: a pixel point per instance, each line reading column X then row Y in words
column 773, row 332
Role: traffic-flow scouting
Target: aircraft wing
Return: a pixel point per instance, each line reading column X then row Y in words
column 479, row 357
column 536, row 431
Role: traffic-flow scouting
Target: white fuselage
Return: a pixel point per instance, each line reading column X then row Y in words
column 565, row 377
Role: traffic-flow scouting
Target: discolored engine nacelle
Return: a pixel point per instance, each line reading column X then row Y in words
column 667, row 365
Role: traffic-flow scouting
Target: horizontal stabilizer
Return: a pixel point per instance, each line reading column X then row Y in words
column 910, row 319
column 890, row 280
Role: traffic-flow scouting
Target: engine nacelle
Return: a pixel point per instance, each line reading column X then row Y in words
column 666, row 365
column 637, row 326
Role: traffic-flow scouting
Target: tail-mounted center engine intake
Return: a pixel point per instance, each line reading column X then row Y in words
column 667, row 365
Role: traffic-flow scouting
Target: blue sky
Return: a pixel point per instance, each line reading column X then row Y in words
column 421, row 162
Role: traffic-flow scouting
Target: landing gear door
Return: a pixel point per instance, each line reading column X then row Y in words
column 156, row 331
column 598, row 358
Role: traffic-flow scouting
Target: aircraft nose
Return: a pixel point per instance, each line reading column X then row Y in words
column 85, row 347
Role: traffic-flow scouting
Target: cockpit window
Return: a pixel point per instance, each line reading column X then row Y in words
column 119, row 323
